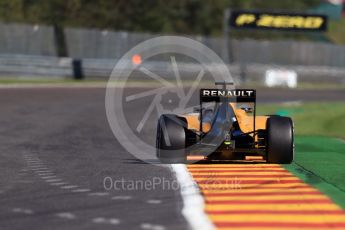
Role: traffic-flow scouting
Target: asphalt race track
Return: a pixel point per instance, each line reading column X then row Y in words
column 67, row 131
column 56, row 150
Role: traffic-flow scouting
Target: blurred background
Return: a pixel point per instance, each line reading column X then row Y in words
column 81, row 39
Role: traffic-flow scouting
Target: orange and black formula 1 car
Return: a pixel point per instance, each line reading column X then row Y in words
column 225, row 127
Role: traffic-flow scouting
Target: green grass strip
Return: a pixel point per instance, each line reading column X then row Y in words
column 320, row 162
column 316, row 119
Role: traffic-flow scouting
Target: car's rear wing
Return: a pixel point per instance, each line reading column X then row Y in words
column 228, row 95
column 231, row 95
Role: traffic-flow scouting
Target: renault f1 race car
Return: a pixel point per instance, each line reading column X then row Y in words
column 225, row 127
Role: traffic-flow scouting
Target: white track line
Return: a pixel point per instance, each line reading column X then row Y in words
column 193, row 202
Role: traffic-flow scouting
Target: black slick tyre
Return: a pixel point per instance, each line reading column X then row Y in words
column 279, row 140
column 171, row 139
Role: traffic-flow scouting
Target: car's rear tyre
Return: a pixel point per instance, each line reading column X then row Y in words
column 171, row 139
column 280, row 140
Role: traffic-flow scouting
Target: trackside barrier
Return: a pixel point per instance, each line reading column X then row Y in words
column 62, row 68
column 85, row 43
